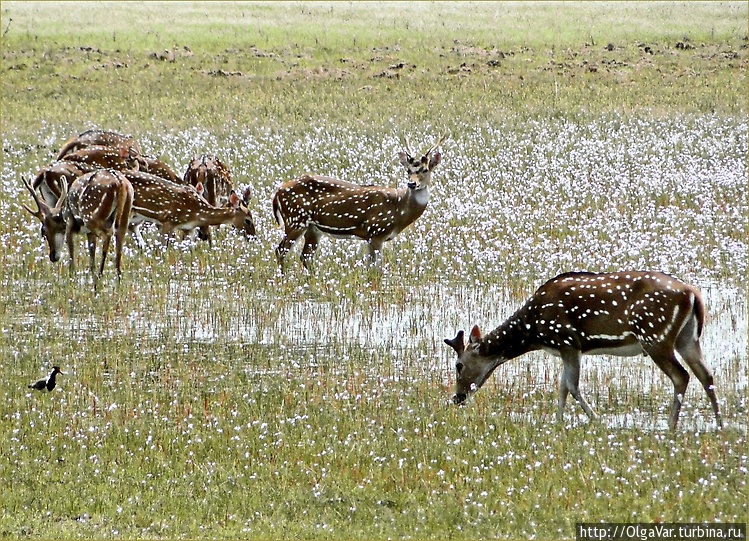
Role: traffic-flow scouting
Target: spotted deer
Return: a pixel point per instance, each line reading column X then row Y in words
column 99, row 138
column 581, row 313
column 181, row 207
column 105, row 157
column 51, row 178
column 314, row 206
column 98, row 204
column 215, row 178
column 122, row 159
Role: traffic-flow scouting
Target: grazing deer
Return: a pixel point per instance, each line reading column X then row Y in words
column 98, row 204
column 177, row 206
column 214, row 175
column 581, row 313
column 51, row 178
column 314, row 205
column 106, row 157
column 98, row 138
column 51, row 217
column 215, row 178
column 122, row 159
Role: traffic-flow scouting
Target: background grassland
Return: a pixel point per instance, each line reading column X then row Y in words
column 297, row 64
column 208, row 395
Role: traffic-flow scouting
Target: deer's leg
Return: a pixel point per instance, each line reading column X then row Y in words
column 104, row 251
column 665, row 359
column 311, row 241
column 135, row 229
column 563, row 392
column 285, row 245
column 167, row 233
column 69, row 242
column 120, row 230
column 374, row 247
column 204, row 233
column 119, row 241
column 691, row 352
column 570, row 383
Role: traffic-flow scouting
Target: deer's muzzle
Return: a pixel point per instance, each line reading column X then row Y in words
column 459, row 399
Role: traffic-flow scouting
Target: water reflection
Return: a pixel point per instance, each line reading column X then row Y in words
column 431, row 313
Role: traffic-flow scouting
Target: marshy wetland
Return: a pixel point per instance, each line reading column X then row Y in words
column 208, row 395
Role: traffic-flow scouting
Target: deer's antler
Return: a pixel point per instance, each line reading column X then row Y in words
column 441, row 139
column 407, row 145
column 38, row 212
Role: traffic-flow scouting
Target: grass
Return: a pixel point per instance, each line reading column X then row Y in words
column 363, row 61
column 209, row 395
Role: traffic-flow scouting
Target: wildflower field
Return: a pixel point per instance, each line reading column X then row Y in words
column 209, row 395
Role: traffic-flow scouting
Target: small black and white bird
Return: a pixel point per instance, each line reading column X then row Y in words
column 47, row 384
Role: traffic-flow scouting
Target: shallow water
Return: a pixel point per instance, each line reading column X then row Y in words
column 429, row 315
column 317, row 332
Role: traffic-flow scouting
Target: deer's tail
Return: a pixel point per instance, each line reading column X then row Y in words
column 698, row 307
column 277, row 212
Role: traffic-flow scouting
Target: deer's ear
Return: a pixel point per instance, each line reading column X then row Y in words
column 233, row 199
column 434, row 162
column 475, row 334
column 403, row 157
column 456, row 343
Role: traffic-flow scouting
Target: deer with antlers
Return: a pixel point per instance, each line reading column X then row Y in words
column 98, row 204
column 314, row 206
column 581, row 313
column 169, row 205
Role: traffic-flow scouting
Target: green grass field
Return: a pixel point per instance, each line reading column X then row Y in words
column 208, row 395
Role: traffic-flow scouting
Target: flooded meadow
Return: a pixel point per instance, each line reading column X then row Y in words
column 207, row 394
column 266, row 403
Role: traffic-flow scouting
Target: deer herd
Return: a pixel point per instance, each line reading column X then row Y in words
column 102, row 185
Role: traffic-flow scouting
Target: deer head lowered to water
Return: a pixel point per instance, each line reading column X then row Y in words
column 314, row 206
column 98, row 204
column 581, row 313
column 178, row 206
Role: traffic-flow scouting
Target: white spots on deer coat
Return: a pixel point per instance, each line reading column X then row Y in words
column 343, row 209
column 596, row 312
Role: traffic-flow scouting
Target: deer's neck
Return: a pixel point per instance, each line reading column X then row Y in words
column 419, row 197
column 207, row 215
column 412, row 203
column 511, row 339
